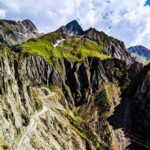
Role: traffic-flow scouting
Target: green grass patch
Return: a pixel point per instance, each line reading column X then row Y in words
column 103, row 99
column 84, row 131
column 70, row 115
column 4, row 146
column 88, row 135
column 73, row 48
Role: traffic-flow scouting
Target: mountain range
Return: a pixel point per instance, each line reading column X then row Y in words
column 70, row 90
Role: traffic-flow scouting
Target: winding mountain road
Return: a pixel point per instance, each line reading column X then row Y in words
column 48, row 96
column 33, row 122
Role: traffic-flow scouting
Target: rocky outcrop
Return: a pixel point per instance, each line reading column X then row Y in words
column 117, row 49
column 111, row 46
column 131, row 116
column 138, row 93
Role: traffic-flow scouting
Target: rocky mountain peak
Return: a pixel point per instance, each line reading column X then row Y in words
column 15, row 32
column 29, row 24
column 94, row 34
column 74, row 28
column 91, row 30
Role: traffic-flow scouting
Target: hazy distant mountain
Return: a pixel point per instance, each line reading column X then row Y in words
column 141, row 53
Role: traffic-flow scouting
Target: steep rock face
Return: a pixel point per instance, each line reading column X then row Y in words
column 32, row 116
column 15, row 32
column 139, row 95
column 43, row 106
column 131, row 116
column 112, row 46
column 119, row 51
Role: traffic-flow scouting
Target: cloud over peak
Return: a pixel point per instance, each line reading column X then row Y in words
column 2, row 13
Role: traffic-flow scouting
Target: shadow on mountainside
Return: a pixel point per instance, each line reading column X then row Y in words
column 121, row 119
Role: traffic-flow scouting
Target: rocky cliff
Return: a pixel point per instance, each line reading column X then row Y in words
column 63, row 90
column 139, row 95
column 41, row 104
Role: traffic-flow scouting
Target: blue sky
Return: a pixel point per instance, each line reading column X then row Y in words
column 148, row 2
column 127, row 20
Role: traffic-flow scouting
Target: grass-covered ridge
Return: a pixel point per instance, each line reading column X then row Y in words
column 73, row 48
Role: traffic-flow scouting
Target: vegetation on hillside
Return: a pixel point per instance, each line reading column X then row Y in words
column 72, row 48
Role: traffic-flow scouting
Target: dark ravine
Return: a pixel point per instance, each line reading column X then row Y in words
column 71, row 105
column 138, row 92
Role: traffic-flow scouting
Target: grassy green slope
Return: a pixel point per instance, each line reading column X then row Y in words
column 73, row 48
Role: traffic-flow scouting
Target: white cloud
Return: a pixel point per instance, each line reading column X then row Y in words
column 2, row 13
column 12, row 4
column 128, row 20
